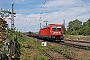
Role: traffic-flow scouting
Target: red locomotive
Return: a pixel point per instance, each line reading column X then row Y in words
column 52, row 32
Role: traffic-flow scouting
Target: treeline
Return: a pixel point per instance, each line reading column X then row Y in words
column 76, row 27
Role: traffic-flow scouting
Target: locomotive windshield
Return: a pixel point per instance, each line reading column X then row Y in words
column 56, row 28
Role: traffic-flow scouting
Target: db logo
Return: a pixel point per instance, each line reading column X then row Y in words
column 56, row 32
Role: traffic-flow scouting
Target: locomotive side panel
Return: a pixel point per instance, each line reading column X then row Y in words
column 43, row 32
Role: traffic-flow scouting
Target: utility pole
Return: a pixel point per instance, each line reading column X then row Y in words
column 64, row 23
column 12, row 16
column 40, row 22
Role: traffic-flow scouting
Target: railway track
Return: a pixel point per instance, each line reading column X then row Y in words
column 52, row 55
column 79, row 41
column 70, row 44
column 68, row 57
column 61, row 53
column 55, row 55
column 47, row 54
column 59, row 57
column 76, row 44
column 56, row 52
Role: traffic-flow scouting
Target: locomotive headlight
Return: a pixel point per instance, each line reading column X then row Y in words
column 59, row 32
column 53, row 32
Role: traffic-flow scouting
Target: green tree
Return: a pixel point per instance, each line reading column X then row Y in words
column 85, row 30
column 74, row 26
column 89, row 21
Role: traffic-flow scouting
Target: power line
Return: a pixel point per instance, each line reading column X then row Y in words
column 58, row 6
column 68, row 8
column 80, row 15
column 71, row 6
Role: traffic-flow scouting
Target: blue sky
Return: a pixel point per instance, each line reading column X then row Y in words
column 28, row 12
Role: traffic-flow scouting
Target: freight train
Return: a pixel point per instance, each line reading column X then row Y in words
column 52, row 32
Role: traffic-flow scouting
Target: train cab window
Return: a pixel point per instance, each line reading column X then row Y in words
column 56, row 28
column 53, row 28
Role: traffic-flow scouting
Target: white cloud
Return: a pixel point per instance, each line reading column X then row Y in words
column 56, row 3
column 65, row 10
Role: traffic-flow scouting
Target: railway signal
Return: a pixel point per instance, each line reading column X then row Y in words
column 5, row 13
column 12, row 16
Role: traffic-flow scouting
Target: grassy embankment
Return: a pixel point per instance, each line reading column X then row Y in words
column 31, row 49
